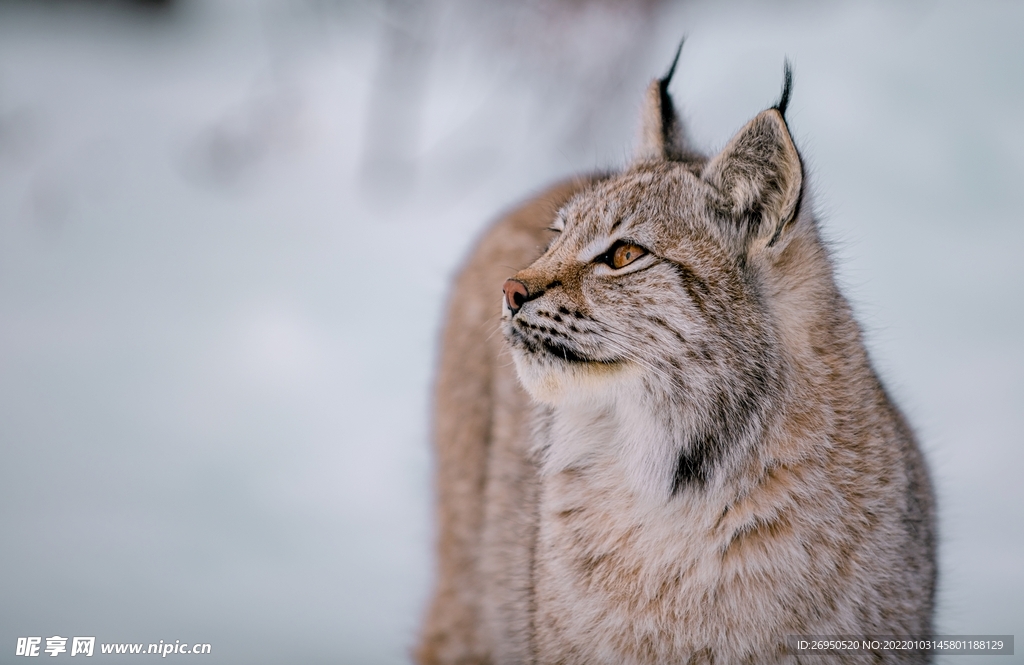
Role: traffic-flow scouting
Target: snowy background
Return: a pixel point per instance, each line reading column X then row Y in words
column 227, row 229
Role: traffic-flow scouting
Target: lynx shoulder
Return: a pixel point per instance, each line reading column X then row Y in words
column 675, row 450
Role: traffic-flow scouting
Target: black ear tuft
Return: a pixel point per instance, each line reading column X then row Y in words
column 787, row 89
column 667, row 78
column 668, row 109
column 662, row 135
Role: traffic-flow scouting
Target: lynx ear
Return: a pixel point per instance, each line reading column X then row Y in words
column 662, row 137
column 759, row 173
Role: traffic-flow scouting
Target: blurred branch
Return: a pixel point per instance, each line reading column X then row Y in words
column 396, row 100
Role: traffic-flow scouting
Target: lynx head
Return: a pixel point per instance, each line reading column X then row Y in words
column 660, row 280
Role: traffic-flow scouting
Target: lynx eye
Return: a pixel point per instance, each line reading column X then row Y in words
column 622, row 254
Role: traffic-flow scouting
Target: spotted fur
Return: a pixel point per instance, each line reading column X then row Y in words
column 693, row 458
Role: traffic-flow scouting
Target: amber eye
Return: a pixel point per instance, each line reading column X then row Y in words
column 624, row 254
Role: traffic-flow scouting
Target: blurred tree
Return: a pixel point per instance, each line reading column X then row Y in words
column 575, row 54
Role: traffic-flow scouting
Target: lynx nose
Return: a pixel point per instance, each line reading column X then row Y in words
column 515, row 294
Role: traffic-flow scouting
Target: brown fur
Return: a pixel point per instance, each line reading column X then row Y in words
column 474, row 441
column 703, row 461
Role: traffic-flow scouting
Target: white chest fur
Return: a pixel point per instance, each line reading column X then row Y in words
column 626, row 571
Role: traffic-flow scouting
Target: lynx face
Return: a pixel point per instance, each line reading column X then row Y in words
column 652, row 294
column 639, row 285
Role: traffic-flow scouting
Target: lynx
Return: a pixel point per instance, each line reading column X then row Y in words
column 676, row 449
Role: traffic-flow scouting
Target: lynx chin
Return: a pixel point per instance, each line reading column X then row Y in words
column 661, row 440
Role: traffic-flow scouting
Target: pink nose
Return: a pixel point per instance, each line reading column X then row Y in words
column 515, row 294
